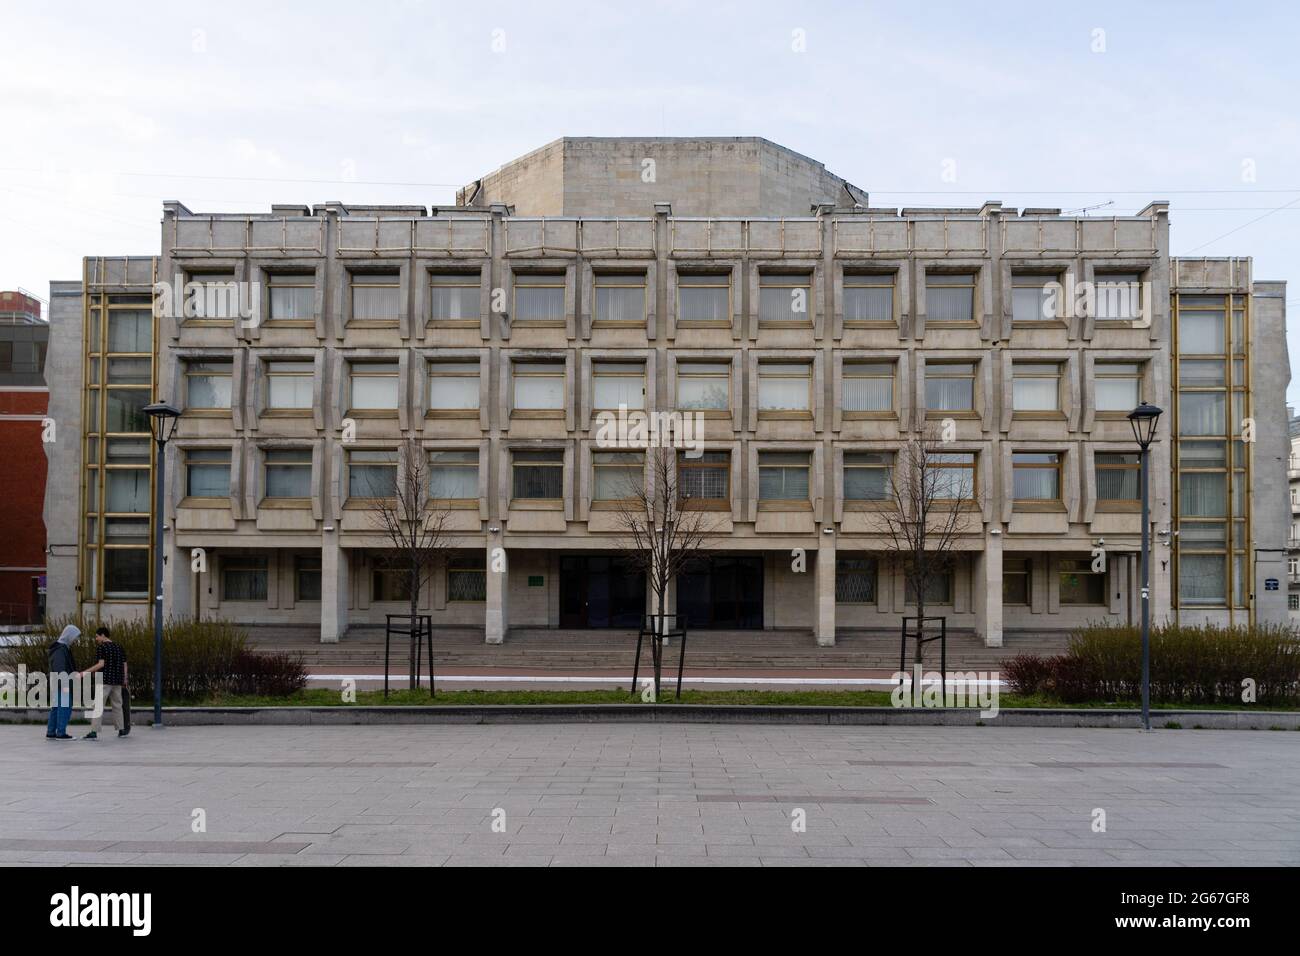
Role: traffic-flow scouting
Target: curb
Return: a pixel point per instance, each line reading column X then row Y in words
column 690, row 714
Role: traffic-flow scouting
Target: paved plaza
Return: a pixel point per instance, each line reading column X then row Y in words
column 646, row 795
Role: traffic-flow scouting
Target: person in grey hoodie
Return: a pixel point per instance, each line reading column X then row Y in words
column 62, row 668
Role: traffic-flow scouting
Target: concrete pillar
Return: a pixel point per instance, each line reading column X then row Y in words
column 497, row 616
column 179, row 583
column 824, row 569
column 986, row 590
column 335, row 588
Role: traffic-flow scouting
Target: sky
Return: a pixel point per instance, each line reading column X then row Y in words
column 109, row 110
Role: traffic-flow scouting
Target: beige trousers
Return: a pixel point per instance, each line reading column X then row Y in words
column 112, row 694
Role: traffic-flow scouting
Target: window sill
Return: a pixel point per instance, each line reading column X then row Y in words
column 861, row 324
column 285, row 504
column 863, row 504
column 371, row 413
column 935, row 415
column 703, row 324
column 1119, row 507
column 207, row 413
column 451, row 504
column 870, row 416
column 699, row 504
column 205, row 503
column 289, row 323
column 372, row 324
column 606, row 324
column 706, row 412
column 208, row 323
column 368, row 504
column 1038, row 507
column 1022, row 416
column 452, row 413
column 537, row 324
column 784, row 416
column 785, row 505
column 785, row 325
column 286, row 413
column 1044, row 324
column 1109, row 416
column 615, row 505
column 454, row 323
column 533, row 413
column 536, row 504
column 951, row 325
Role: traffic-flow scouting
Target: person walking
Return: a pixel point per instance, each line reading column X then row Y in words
column 62, row 668
column 111, row 659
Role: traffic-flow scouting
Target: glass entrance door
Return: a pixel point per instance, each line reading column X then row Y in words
column 598, row 591
column 722, row 592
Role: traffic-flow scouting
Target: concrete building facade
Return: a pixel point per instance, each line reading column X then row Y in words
column 813, row 334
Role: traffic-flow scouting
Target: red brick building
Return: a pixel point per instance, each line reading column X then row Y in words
column 24, row 400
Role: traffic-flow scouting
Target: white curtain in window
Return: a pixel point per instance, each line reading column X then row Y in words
column 868, row 305
column 1036, row 394
column 293, row 303
column 949, row 394
column 453, row 481
column 375, row 302
column 534, row 303
column 290, row 391
column 449, row 303
column 868, row 394
column 782, row 394
column 694, row 392
column 949, row 304
column 374, row 391
column 1035, row 484
column 783, row 304
column 453, row 392
column 1202, row 413
column 620, row 304
column 539, row 391
column 702, row 305
column 1203, row 494
column 1117, row 484
column 611, row 391
column 127, row 491
column 1202, row 578
column 615, row 483
column 1117, row 394
column 209, row 391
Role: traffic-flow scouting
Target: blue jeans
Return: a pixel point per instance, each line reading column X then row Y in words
column 60, row 712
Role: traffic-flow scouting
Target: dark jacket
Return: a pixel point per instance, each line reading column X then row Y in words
column 61, row 659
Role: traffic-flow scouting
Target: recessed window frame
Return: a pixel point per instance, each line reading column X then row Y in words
column 874, row 281
column 294, row 461
column 784, row 284
column 291, row 280
column 604, row 368
column 467, row 375
column 1108, row 371
column 548, row 369
column 955, row 370
column 717, row 462
column 1034, row 463
column 539, row 280
column 703, row 280
column 701, row 370
column 782, row 371
column 209, row 368
column 853, row 370
column 296, row 369
column 386, row 279
column 207, row 458
column 1104, row 462
column 952, row 280
column 1035, row 372
column 784, row 467
column 550, row 467
column 382, row 369
column 1037, row 318
column 470, row 285
column 1082, row 596
column 604, row 282
column 369, row 459
column 462, row 460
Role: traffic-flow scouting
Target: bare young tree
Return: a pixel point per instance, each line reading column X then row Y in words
column 416, row 535
column 932, row 493
column 661, row 534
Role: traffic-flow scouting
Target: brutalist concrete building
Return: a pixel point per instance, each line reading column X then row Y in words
column 812, row 333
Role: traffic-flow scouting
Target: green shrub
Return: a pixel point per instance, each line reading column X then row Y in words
column 1028, row 674
column 1203, row 664
column 200, row 658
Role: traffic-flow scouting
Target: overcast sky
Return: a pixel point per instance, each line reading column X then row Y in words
column 109, row 109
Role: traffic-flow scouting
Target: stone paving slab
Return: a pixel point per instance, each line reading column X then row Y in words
column 653, row 794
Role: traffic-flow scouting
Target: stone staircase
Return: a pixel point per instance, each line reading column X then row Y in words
column 572, row 650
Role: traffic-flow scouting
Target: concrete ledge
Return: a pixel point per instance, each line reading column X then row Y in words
column 690, row 713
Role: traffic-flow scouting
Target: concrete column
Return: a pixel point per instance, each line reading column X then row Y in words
column 986, row 591
column 497, row 617
column 178, row 582
column 335, row 588
column 824, row 569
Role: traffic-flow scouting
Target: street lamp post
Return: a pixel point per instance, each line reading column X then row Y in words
column 162, row 423
column 1143, row 419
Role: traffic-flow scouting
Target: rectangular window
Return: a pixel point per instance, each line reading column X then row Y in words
column 868, row 386
column 1119, row 386
column 1034, row 298
column 218, row 300
column 616, row 384
column 1036, row 386
column 208, row 384
column 130, row 330
column 868, row 299
column 124, row 410
column 704, row 298
column 243, row 577
column 1118, row 296
column 1202, row 578
column 454, row 386
column 292, row 297
column 467, row 577
column 373, row 386
column 954, row 475
column 288, row 472
column 616, row 475
column 1201, row 332
column 453, row 475
column 1079, row 583
column 784, row 387
column 306, row 577
column 950, row 299
column 1117, row 476
column 289, row 384
column 705, row 481
column 1036, row 476
column 539, row 386
column 855, row 580
column 703, row 386
column 372, row 473
column 1293, row 602
column 785, row 299
column 539, row 298
column 937, row 590
column 126, row 490
column 950, row 386
column 207, row 472
column 1202, row 413
column 620, row 299
column 783, row 476
column 867, row 475
column 126, row 573
column 455, row 297
column 390, row 584
column 538, row 475
column 1015, row 581
column 376, row 296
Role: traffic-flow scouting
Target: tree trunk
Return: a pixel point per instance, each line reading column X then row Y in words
column 415, row 600
column 660, row 627
column 918, row 658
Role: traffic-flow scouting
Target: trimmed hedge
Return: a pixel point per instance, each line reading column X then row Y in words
column 200, row 658
column 1202, row 664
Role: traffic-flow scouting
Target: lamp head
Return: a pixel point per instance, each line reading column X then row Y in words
column 1143, row 420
